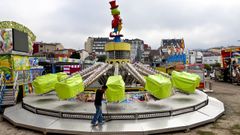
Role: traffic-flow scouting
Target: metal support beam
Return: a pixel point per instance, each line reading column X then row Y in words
column 116, row 70
column 150, row 70
column 134, row 73
column 98, row 73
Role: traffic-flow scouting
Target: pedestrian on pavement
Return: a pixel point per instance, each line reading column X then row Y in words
column 98, row 105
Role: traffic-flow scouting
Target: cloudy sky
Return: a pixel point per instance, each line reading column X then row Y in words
column 202, row 23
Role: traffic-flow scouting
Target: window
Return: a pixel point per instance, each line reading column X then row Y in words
column 122, row 55
column 111, row 55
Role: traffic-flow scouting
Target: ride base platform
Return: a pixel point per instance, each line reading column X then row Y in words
column 180, row 112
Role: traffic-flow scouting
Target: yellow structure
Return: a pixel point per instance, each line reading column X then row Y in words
column 117, row 46
column 117, row 52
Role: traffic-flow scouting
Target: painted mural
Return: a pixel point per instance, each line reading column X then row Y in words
column 6, row 42
column 8, row 26
column 6, row 66
column 11, row 63
column 21, row 63
column 23, row 76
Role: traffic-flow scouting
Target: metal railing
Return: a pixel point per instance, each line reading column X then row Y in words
column 116, row 116
column 2, row 84
column 116, row 70
column 150, row 70
column 134, row 73
column 98, row 73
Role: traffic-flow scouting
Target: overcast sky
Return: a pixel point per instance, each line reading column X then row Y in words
column 202, row 23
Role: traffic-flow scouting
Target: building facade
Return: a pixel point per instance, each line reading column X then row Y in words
column 64, row 53
column 41, row 47
column 146, row 53
column 96, row 45
column 215, row 49
column 89, row 44
column 137, row 49
column 212, row 60
column 203, row 57
column 195, row 57
column 210, row 57
column 155, row 56
column 83, row 54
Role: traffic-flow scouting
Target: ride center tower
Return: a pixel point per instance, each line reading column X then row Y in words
column 117, row 51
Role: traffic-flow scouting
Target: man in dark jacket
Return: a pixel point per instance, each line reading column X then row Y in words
column 98, row 105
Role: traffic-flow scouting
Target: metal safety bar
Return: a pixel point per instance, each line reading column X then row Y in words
column 84, row 73
column 134, row 73
column 143, row 72
column 150, row 70
column 116, row 70
column 116, row 116
column 98, row 73
column 93, row 67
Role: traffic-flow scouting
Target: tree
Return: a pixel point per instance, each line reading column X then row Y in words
column 75, row 55
column 217, row 65
column 207, row 66
column 102, row 58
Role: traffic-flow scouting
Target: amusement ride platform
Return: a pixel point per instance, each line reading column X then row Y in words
column 179, row 112
column 175, row 111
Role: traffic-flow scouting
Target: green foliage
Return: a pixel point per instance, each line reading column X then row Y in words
column 75, row 55
column 236, row 126
column 205, row 132
column 217, row 65
column 235, row 129
column 207, row 66
column 102, row 58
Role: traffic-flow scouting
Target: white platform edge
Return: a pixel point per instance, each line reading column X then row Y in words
column 210, row 113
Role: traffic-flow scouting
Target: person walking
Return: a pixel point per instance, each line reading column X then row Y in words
column 98, row 105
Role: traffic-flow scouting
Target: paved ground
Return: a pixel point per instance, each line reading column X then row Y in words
column 228, row 124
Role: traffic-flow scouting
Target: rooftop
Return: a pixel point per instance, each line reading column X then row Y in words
column 42, row 43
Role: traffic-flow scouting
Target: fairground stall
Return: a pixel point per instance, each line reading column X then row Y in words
column 15, row 48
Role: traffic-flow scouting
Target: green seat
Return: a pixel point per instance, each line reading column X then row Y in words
column 61, row 76
column 186, row 82
column 116, row 89
column 159, row 86
column 45, row 83
column 70, row 87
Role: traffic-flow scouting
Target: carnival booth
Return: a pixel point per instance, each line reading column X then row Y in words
column 16, row 47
